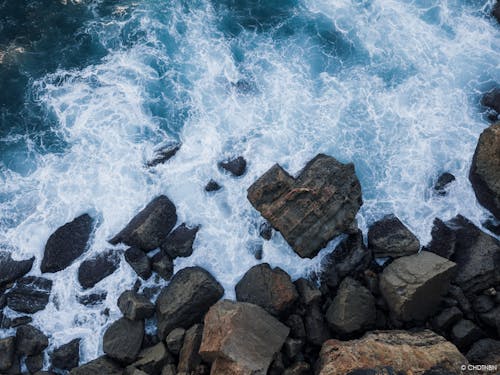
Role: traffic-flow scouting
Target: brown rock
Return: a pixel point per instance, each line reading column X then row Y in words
column 240, row 338
column 408, row 352
column 313, row 208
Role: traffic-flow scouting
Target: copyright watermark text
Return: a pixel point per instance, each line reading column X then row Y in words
column 488, row 368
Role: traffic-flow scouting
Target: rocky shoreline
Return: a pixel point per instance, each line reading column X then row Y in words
column 390, row 306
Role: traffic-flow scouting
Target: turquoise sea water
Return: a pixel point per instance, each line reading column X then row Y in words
column 89, row 90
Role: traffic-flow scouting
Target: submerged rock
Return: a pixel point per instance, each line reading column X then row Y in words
column 100, row 366
column 139, row 262
column 95, row 269
column 122, row 340
column 149, row 228
column 30, row 340
column 67, row 356
column 164, row 154
column 414, row 285
column 186, row 299
column 179, row 243
column 271, row 289
column 389, row 237
column 443, row 182
column 11, row 270
column 485, row 169
column 92, row 299
column 492, row 98
column 29, row 295
column 66, row 244
column 310, row 210
column 406, row 352
column 212, row 186
column 242, row 337
column 237, row 166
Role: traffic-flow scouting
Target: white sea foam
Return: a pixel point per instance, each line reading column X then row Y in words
column 403, row 107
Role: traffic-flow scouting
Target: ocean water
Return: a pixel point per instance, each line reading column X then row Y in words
column 90, row 89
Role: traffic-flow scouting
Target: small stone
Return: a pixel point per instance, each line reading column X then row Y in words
column 67, row 356
column 11, row 270
column 483, row 304
column 135, row 306
column 266, row 230
column 92, row 299
column 30, row 340
column 465, row 333
column 212, row 186
column 175, row 339
column 442, row 183
column 237, row 166
column 139, row 262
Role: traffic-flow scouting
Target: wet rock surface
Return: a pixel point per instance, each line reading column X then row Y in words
column 29, row 295
column 135, row 306
column 443, row 182
column 95, row 269
column 139, row 262
column 122, row 340
column 67, row 356
column 313, row 208
column 30, row 340
column 66, row 244
column 179, row 243
column 11, row 270
column 236, row 166
column 7, row 350
column 164, row 154
column 100, row 366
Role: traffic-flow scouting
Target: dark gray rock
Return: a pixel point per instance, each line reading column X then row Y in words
column 296, row 325
column 485, row 351
column 465, row 333
column 443, row 239
column 492, row 98
column 293, row 347
column 175, row 339
column 149, row 228
column 122, row 340
column 152, row 360
column 164, row 154
column 266, row 230
column 66, row 244
column 317, row 331
column 11, row 270
column 34, row 363
column 189, row 358
column 67, row 356
column 483, row 304
column 30, row 340
column 135, row 306
column 179, row 243
column 15, row 322
column 100, row 366
column 308, row 292
column 271, row 289
column 446, row 319
column 163, row 265
column 496, row 13
column 298, row 368
column 492, row 319
column 389, row 237
column 7, row 350
column 92, row 299
column 463, row 302
column 95, row 269
column 310, row 210
column 186, row 299
column 484, row 173
column 353, row 308
column 237, row 166
column 443, row 181
column 29, row 295
column 212, row 186
column 139, row 262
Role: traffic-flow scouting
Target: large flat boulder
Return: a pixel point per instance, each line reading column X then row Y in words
column 186, row 299
column 413, row 285
column 405, row 352
column 310, row 210
column 67, row 356
column 241, row 337
column 271, row 289
column 29, row 295
column 389, row 237
column 485, row 169
column 11, row 270
column 66, row 244
column 122, row 340
column 149, row 228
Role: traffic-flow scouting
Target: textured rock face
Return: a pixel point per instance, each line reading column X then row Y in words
column 151, row 360
column 95, row 269
column 389, row 237
column 122, row 340
column 311, row 209
column 7, row 349
column 29, row 295
column 149, row 228
column 100, row 366
column 492, row 98
column 67, row 356
column 135, row 306
column 164, row 154
column 271, row 289
column 413, row 285
column 66, row 244
column 484, row 351
column 179, row 243
column 240, row 337
column 30, row 340
column 186, row 299
column 352, row 309
column 410, row 353
column 189, row 358
column 11, row 270
column 139, row 262
column 485, row 169
column 237, row 166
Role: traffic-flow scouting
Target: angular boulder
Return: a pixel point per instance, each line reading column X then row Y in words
column 442, row 183
column 97, row 268
column 30, row 340
column 122, row 340
column 243, row 335
column 389, row 237
column 149, row 228
column 7, row 350
column 443, row 239
column 135, row 306
column 310, row 210
column 492, row 98
column 484, row 351
column 66, row 244
column 406, row 352
column 186, row 299
column 139, row 262
column 414, row 285
column 189, row 357
column 67, row 356
column 175, row 339
column 271, row 289
column 352, row 309
column 465, row 333
column 163, row 265
column 236, row 166
column 152, row 360
column 485, row 169
column 29, row 295
column 179, row 243
column 11, row 270
column 100, row 366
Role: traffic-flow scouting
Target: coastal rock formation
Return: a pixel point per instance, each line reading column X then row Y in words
column 95, row 269
column 241, row 337
column 179, row 243
column 414, row 285
column 212, row 186
column 186, row 299
column 492, row 98
column 149, row 228
column 66, row 244
column 310, row 210
column 271, row 289
column 496, row 11
column 408, row 352
column 389, row 237
column 189, row 358
column 11, row 270
column 122, row 340
column 485, row 169
column 29, row 295
column 484, row 351
column 237, row 166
